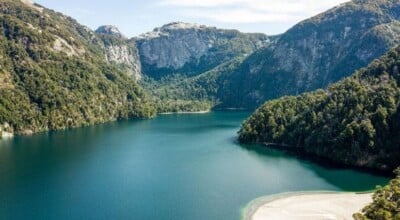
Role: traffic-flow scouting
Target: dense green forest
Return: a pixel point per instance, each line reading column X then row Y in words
column 353, row 122
column 386, row 203
column 53, row 74
column 177, row 92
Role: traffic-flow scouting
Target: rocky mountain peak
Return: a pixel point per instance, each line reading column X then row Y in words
column 182, row 25
column 109, row 29
column 172, row 27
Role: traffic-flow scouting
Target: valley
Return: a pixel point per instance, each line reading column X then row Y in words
column 204, row 117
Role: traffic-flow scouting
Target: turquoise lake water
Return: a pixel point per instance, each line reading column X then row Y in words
column 171, row 167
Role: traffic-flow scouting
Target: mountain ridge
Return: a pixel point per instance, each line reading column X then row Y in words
column 313, row 54
column 320, row 50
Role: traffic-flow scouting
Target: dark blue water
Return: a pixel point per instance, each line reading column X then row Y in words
column 171, row 167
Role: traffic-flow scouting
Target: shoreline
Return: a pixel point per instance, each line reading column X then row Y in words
column 307, row 205
column 185, row 112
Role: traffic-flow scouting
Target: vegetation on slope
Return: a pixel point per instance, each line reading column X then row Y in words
column 194, row 85
column 354, row 122
column 316, row 53
column 53, row 74
column 386, row 203
column 313, row 54
column 178, row 92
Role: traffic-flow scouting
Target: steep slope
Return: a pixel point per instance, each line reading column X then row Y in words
column 191, row 49
column 353, row 122
column 316, row 52
column 168, row 60
column 120, row 50
column 53, row 74
column 175, row 55
column 178, row 93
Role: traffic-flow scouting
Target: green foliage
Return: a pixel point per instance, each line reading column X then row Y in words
column 316, row 53
column 51, row 87
column 353, row 122
column 178, row 92
column 386, row 203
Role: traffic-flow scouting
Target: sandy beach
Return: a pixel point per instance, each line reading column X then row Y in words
column 307, row 205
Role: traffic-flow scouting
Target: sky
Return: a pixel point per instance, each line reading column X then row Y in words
column 134, row 17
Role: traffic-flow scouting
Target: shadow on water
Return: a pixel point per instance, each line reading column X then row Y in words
column 25, row 158
column 336, row 174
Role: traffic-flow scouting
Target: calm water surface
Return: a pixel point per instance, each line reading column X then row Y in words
column 171, row 167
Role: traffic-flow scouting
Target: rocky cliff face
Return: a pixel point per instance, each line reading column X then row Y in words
column 191, row 49
column 318, row 51
column 313, row 54
column 110, row 30
column 325, row 48
column 120, row 50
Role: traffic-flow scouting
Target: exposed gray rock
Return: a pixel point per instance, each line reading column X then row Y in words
column 177, row 48
column 120, row 50
column 125, row 55
column 109, row 30
column 317, row 52
column 192, row 48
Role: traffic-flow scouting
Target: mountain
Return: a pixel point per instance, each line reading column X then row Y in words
column 354, row 122
column 54, row 74
column 314, row 53
column 164, row 59
column 191, row 49
column 120, row 51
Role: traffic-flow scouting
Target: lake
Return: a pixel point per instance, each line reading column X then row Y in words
column 185, row 166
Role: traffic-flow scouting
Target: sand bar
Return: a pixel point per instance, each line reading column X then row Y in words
column 307, row 205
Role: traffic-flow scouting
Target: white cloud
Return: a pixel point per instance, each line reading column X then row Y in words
column 240, row 16
column 250, row 11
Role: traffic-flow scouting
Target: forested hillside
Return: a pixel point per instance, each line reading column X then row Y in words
column 175, row 60
column 313, row 54
column 53, row 74
column 354, row 122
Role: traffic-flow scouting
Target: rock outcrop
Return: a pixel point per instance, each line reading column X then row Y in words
column 120, row 50
column 317, row 52
column 110, row 30
column 192, row 49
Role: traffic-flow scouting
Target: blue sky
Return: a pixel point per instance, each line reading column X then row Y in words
column 134, row 17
